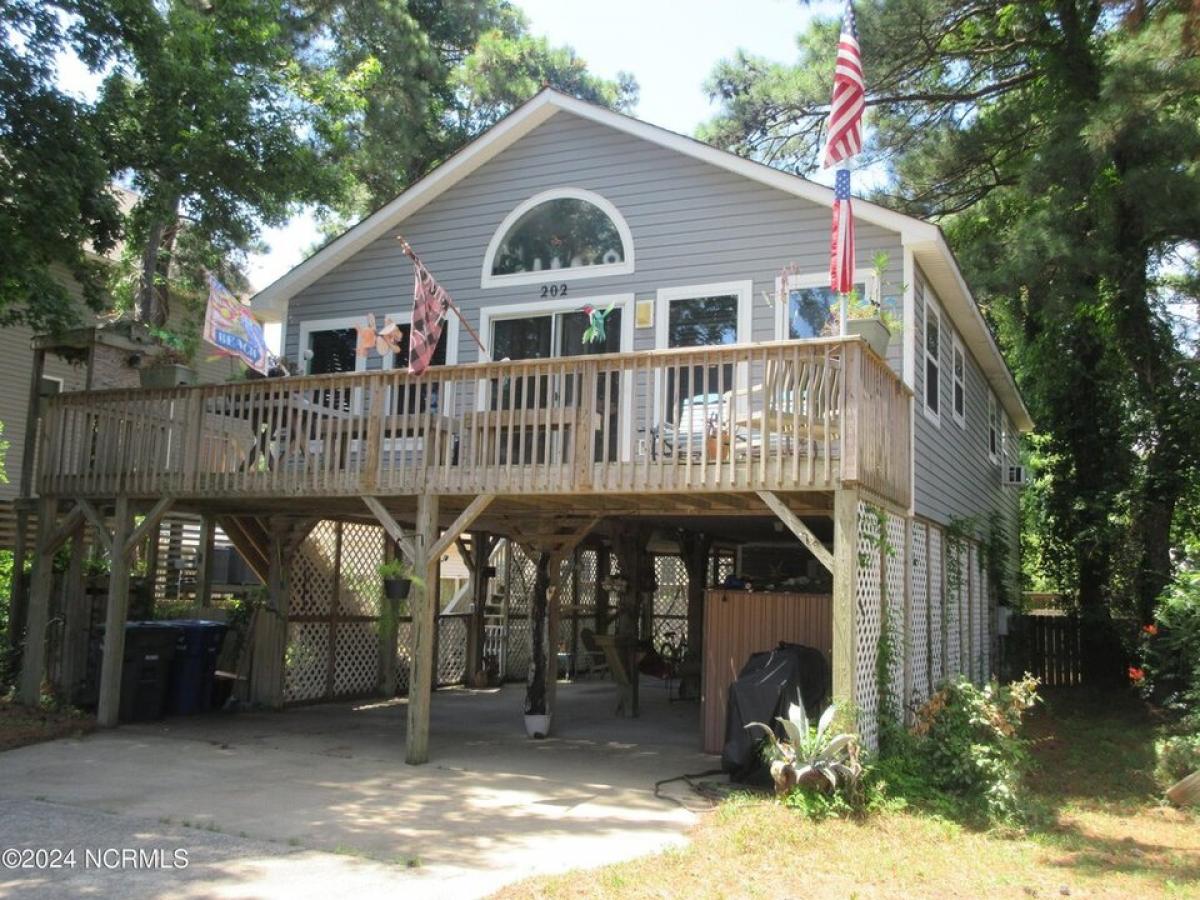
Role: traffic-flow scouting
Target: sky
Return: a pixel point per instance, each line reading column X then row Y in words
column 670, row 46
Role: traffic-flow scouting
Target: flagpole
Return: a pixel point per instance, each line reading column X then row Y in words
column 412, row 254
column 843, row 297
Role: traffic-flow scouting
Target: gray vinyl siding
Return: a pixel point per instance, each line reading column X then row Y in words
column 692, row 223
column 955, row 478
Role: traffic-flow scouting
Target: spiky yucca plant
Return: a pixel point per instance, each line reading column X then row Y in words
column 808, row 756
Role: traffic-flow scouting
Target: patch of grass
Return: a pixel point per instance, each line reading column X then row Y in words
column 1101, row 832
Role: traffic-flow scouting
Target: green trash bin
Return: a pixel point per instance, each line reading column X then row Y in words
column 146, row 669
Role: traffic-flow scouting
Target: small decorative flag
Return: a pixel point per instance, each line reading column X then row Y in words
column 430, row 305
column 385, row 340
column 844, row 139
column 230, row 327
column 841, row 246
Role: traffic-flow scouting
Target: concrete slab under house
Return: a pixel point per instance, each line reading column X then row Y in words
column 603, row 495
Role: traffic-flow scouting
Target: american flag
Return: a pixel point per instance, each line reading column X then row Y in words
column 430, row 305
column 841, row 245
column 849, row 93
column 844, row 141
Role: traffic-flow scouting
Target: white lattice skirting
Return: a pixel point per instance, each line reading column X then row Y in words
column 929, row 595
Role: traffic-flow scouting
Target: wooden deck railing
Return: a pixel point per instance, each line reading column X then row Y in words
column 788, row 416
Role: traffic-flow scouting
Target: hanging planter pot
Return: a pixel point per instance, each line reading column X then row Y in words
column 397, row 588
column 397, row 577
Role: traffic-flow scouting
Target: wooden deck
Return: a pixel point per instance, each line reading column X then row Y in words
column 790, row 416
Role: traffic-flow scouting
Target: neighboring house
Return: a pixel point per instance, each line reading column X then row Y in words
column 881, row 476
column 16, row 364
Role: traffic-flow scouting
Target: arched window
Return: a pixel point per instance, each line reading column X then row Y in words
column 559, row 235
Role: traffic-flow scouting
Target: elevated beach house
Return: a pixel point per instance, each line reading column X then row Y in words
column 805, row 486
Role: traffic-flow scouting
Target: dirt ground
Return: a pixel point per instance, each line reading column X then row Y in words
column 20, row 726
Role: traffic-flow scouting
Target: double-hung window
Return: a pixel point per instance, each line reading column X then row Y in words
column 712, row 315
column 995, row 429
column 933, row 364
column 959, row 373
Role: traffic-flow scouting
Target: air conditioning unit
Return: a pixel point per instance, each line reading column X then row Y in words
column 1014, row 476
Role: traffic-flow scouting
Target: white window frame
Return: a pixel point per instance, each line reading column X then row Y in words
column 957, row 350
column 743, row 290
column 931, row 306
column 625, row 267
column 800, row 281
column 624, row 302
column 61, row 382
column 308, row 326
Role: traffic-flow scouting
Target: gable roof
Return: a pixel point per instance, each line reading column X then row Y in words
column 924, row 239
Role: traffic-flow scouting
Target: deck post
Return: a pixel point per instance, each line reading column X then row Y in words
column 75, row 616
column 389, row 630
column 603, row 570
column 423, row 621
column 19, row 599
column 33, row 667
column 481, row 552
column 845, row 582
column 111, row 662
column 204, row 562
column 629, row 545
column 270, row 639
column 694, row 550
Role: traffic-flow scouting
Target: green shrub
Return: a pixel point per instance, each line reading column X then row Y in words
column 1171, row 646
column 1178, row 757
column 966, row 744
column 7, row 673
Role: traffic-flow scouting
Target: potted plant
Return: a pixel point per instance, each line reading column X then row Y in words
column 808, row 757
column 171, row 366
column 95, row 573
column 398, row 577
column 867, row 317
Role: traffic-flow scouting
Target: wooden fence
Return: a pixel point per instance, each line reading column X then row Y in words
column 1050, row 648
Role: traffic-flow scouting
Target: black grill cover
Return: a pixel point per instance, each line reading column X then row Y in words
column 769, row 682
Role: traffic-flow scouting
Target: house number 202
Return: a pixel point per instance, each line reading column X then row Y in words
column 553, row 290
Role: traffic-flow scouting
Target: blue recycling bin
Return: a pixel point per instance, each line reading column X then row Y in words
column 194, row 665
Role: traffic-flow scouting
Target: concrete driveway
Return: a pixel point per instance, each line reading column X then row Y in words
column 295, row 803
